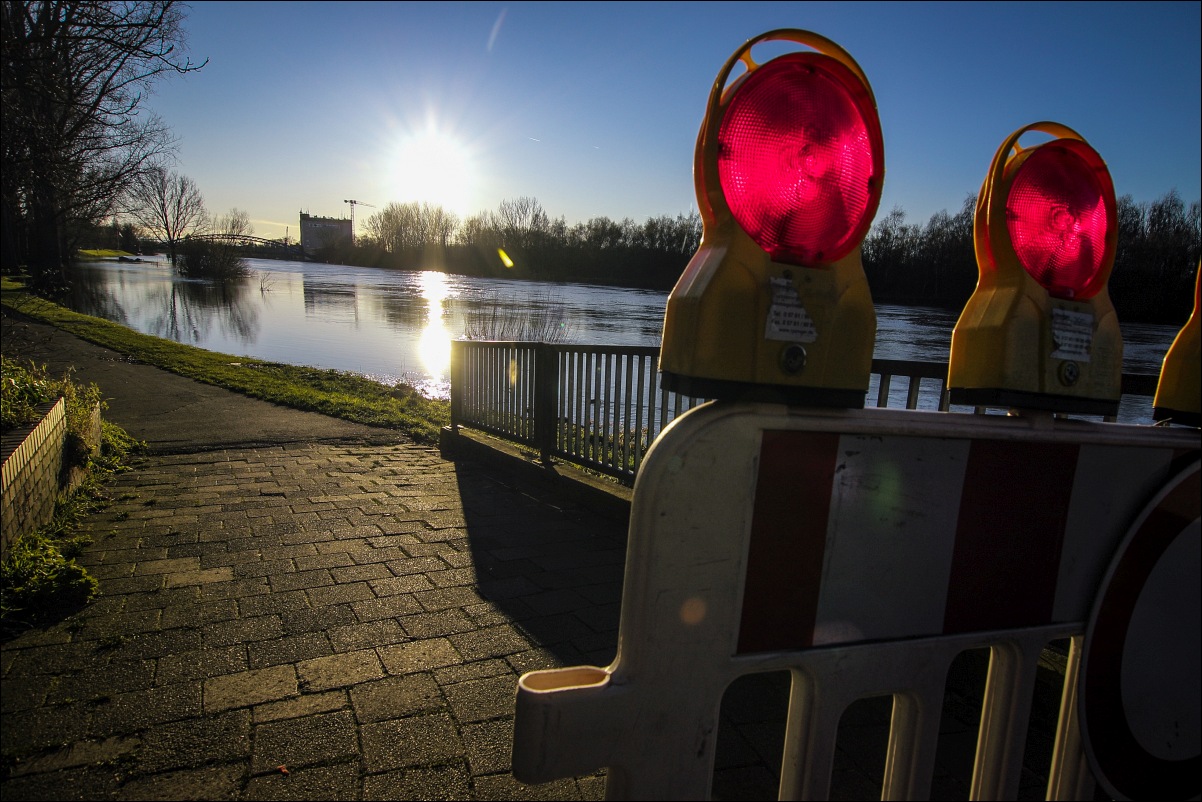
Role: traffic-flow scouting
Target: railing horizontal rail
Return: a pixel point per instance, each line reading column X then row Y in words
column 602, row 406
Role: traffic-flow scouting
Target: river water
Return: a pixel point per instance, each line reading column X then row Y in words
column 398, row 326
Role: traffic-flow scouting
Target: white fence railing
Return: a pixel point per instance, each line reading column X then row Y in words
column 603, row 406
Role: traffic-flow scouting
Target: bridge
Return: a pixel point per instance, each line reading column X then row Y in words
column 293, row 250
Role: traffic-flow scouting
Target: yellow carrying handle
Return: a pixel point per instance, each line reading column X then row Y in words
column 997, row 168
column 708, row 137
column 807, row 38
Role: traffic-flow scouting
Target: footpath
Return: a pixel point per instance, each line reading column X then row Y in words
column 297, row 607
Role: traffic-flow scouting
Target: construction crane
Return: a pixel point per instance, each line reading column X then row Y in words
column 353, row 204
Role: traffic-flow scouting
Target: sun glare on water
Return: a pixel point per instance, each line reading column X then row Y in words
column 435, row 343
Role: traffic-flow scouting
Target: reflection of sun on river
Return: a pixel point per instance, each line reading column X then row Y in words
column 434, row 346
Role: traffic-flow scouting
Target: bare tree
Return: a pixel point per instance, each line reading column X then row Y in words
column 411, row 225
column 168, row 206
column 522, row 221
column 74, row 133
column 236, row 223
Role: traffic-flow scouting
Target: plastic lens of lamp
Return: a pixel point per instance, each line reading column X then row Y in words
column 1057, row 219
column 796, row 159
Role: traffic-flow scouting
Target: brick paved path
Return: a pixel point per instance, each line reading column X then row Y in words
column 356, row 614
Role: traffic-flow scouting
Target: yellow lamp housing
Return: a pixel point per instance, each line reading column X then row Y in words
column 1177, row 393
column 788, row 170
column 1039, row 331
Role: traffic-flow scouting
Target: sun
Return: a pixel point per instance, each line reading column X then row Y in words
column 436, row 168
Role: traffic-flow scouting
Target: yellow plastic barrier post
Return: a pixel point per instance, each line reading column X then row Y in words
column 1178, row 391
column 789, row 168
column 1039, row 331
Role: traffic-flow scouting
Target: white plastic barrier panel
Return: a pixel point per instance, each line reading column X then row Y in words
column 863, row 550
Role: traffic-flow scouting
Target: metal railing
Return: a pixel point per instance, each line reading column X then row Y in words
column 603, row 406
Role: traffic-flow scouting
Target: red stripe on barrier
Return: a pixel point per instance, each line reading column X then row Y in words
column 1013, row 510
column 788, row 540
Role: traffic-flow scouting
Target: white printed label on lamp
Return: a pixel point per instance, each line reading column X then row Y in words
column 1072, row 333
column 787, row 318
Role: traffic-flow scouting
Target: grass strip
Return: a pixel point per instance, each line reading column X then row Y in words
column 331, row 392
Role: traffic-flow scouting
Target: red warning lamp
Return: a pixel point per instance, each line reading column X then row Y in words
column 796, row 161
column 788, row 169
column 1040, row 331
column 1057, row 219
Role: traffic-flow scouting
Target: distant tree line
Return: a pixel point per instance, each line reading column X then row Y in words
column 1159, row 245
column 520, row 240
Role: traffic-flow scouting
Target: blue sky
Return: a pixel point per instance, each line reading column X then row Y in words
column 593, row 108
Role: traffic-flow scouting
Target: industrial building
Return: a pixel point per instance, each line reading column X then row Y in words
column 316, row 232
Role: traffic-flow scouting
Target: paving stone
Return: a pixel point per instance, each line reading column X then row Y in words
column 249, row 618
column 26, row 693
column 360, row 636
column 442, row 622
column 289, row 649
column 205, row 576
column 151, row 645
column 323, row 561
column 281, row 602
column 504, row 786
column 307, row 619
column 491, row 642
column 237, row 589
column 305, row 741
column 49, row 660
column 434, row 782
column 299, row 580
column 386, row 607
column 80, row 753
column 338, row 594
column 339, row 670
column 396, row 697
column 480, row 669
column 250, row 688
column 420, row 655
column 423, row 740
column 167, row 566
column 301, row 706
column 201, row 663
column 195, row 614
column 444, row 598
column 87, row 782
column 242, row 630
column 489, row 746
column 318, row 782
column 233, row 555
column 130, row 712
column 122, row 676
column 416, row 565
column 186, row 744
column 477, row 700
column 358, row 573
column 207, row 783
column 125, row 623
column 401, row 584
